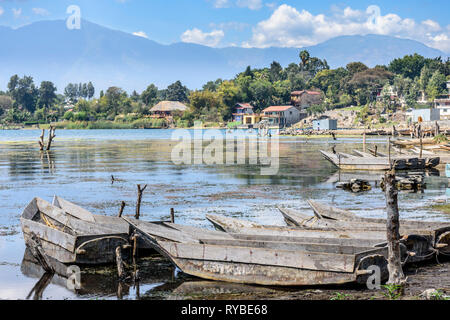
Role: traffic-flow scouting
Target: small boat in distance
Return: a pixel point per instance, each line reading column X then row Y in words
column 346, row 161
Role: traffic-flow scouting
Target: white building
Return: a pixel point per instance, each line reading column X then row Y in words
column 282, row 116
column 443, row 104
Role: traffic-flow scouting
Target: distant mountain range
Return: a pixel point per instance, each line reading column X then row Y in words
column 47, row 50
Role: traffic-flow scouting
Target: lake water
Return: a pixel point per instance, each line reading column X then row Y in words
column 79, row 169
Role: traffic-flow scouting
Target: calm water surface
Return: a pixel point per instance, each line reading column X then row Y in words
column 80, row 166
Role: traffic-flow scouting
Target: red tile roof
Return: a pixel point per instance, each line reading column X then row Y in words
column 244, row 105
column 299, row 93
column 277, row 108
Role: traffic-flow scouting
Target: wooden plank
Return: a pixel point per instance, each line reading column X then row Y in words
column 291, row 246
column 80, row 227
column 55, row 251
column 363, row 154
column 73, row 210
column 159, row 230
column 48, row 234
column 199, row 233
column 284, row 258
column 319, row 240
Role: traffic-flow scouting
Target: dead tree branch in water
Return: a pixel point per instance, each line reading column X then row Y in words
column 139, row 198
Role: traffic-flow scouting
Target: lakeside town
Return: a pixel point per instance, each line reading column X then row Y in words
column 286, row 151
column 304, row 95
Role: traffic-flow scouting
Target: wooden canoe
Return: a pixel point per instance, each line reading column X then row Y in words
column 440, row 231
column 266, row 263
column 295, row 218
column 322, row 210
column 70, row 240
column 236, row 226
column 349, row 162
column 115, row 223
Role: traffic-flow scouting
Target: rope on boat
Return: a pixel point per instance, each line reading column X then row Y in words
column 48, row 222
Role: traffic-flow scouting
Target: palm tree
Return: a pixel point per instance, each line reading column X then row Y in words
column 304, row 56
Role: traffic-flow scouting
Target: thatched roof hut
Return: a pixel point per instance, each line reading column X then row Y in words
column 169, row 106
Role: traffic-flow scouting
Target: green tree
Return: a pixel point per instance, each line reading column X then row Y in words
column 47, row 94
column 177, row 92
column 24, row 92
column 304, row 57
column 71, row 92
column 150, row 95
column 90, row 90
column 410, row 66
column 436, row 86
column 276, row 72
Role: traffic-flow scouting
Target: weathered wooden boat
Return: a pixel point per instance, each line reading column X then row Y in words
column 414, row 142
column 439, row 236
column 349, row 162
column 236, row 226
column 115, row 223
column 267, row 263
column 67, row 239
column 295, row 218
column 80, row 213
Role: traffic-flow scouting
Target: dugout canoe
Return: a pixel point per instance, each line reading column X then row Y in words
column 237, row 226
column 115, row 223
column 295, row 218
column 67, row 239
column 267, row 263
column 440, row 231
column 349, row 162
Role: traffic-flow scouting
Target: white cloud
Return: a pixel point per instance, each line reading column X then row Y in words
column 221, row 3
column 41, row 11
column 140, row 34
column 232, row 25
column 289, row 27
column 17, row 12
column 1, row 11
column 251, row 4
column 211, row 39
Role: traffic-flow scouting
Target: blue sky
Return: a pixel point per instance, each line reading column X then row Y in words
column 248, row 23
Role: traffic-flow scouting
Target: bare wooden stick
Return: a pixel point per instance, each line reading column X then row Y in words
column 51, row 136
column 41, row 140
column 172, row 215
column 119, row 262
column 139, row 198
column 122, row 206
column 396, row 275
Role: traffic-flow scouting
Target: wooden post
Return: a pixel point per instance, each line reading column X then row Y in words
column 396, row 275
column 122, row 206
column 41, row 140
column 376, row 149
column 119, row 262
column 172, row 215
column 421, row 147
column 51, row 136
column 364, row 140
column 437, row 129
column 139, row 198
column 389, row 152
